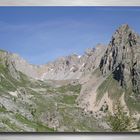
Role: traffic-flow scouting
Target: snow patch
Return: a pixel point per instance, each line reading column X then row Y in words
column 79, row 56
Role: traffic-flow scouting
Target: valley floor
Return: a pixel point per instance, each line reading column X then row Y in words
column 36, row 106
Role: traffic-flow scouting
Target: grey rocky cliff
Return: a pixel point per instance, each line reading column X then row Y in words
column 93, row 57
column 7, row 62
column 64, row 68
column 122, row 58
column 74, row 66
column 15, row 63
column 24, row 66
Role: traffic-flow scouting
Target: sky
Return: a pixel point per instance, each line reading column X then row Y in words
column 42, row 34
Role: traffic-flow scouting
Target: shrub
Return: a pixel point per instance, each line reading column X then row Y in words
column 120, row 121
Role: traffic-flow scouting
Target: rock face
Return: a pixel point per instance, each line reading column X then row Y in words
column 23, row 66
column 74, row 66
column 6, row 61
column 92, row 57
column 15, row 63
column 122, row 58
column 118, row 74
column 64, row 68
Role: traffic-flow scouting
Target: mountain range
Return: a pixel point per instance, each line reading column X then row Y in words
column 73, row 93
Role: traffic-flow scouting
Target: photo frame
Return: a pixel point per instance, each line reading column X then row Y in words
column 90, row 3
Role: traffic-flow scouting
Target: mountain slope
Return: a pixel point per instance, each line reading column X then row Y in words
column 122, row 61
column 117, row 78
column 30, row 105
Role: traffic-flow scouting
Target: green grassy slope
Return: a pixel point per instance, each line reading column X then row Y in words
column 39, row 107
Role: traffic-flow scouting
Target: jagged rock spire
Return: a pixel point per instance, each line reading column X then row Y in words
column 122, row 58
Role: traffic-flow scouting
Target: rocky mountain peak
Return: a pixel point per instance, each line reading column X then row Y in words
column 122, row 58
column 89, row 51
column 124, row 27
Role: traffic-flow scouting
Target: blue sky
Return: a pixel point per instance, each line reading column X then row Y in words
column 42, row 34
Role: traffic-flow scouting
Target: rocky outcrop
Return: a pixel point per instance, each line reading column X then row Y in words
column 8, row 63
column 93, row 56
column 23, row 66
column 118, row 73
column 64, row 68
column 122, row 58
column 74, row 66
